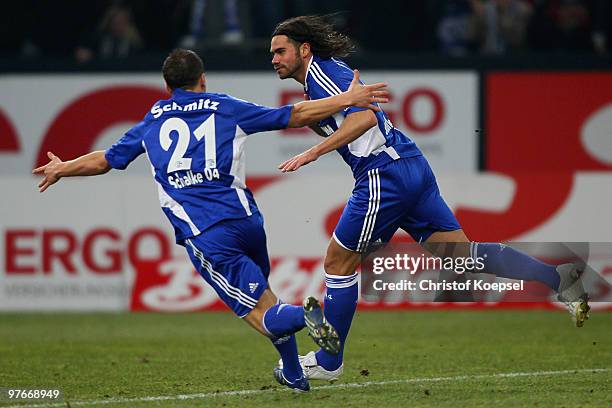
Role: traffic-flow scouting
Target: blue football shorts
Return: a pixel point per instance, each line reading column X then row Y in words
column 233, row 258
column 400, row 194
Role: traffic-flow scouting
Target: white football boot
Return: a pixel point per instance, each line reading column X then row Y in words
column 313, row 371
column 572, row 293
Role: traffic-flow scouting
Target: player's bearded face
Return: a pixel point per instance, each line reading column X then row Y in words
column 288, row 69
column 286, row 60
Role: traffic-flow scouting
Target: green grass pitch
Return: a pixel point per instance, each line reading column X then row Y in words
column 407, row 358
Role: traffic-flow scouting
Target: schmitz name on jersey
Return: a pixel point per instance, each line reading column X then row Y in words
column 158, row 110
column 191, row 178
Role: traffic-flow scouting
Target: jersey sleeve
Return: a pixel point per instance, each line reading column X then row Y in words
column 253, row 118
column 128, row 148
column 329, row 80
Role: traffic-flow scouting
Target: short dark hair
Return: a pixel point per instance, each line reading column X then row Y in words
column 182, row 69
column 319, row 32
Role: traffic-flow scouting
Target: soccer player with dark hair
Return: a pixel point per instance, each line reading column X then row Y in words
column 195, row 143
column 394, row 188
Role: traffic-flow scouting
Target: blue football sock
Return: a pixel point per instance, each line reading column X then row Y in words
column 505, row 262
column 287, row 348
column 283, row 319
column 340, row 306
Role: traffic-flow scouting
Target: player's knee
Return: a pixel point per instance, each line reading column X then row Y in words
column 340, row 261
column 339, row 266
column 449, row 249
column 330, row 264
column 254, row 319
column 256, row 315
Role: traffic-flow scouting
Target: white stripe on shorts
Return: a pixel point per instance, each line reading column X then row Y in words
column 370, row 201
column 373, row 206
column 377, row 203
column 222, row 282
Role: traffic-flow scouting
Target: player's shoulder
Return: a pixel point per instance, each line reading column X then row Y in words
column 220, row 96
column 330, row 75
column 228, row 98
column 330, row 66
column 156, row 109
column 241, row 105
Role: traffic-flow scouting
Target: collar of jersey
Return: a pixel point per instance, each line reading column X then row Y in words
column 308, row 72
column 313, row 58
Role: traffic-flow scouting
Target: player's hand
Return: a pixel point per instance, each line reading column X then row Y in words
column 50, row 172
column 367, row 96
column 298, row 161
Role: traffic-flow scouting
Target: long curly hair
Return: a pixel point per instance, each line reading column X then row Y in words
column 319, row 32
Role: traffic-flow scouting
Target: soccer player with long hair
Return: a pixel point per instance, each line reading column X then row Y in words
column 394, row 188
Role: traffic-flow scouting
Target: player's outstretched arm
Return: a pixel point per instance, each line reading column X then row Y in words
column 364, row 96
column 352, row 127
column 91, row 164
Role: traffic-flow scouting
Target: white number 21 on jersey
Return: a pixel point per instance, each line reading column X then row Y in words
column 178, row 161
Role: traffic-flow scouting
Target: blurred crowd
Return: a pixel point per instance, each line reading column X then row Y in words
column 496, row 27
column 102, row 29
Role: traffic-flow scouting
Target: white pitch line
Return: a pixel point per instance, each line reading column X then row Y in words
column 319, row 388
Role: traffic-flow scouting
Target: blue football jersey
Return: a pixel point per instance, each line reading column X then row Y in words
column 195, row 143
column 377, row 146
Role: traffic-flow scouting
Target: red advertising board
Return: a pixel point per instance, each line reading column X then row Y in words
column 549, row 159
column 541, row 129
column 548, row 122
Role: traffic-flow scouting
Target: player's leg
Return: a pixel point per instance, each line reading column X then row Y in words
column 340, row 305
column 369, row 217
column 284, row 318
column 274, row 317
column 220, row 255
column 255, row 318
column 498, row 259
column 341, row 260
column 507, row 262
column 434, row 224
column 279, row 320
column 340, row 298
column 280, row 328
